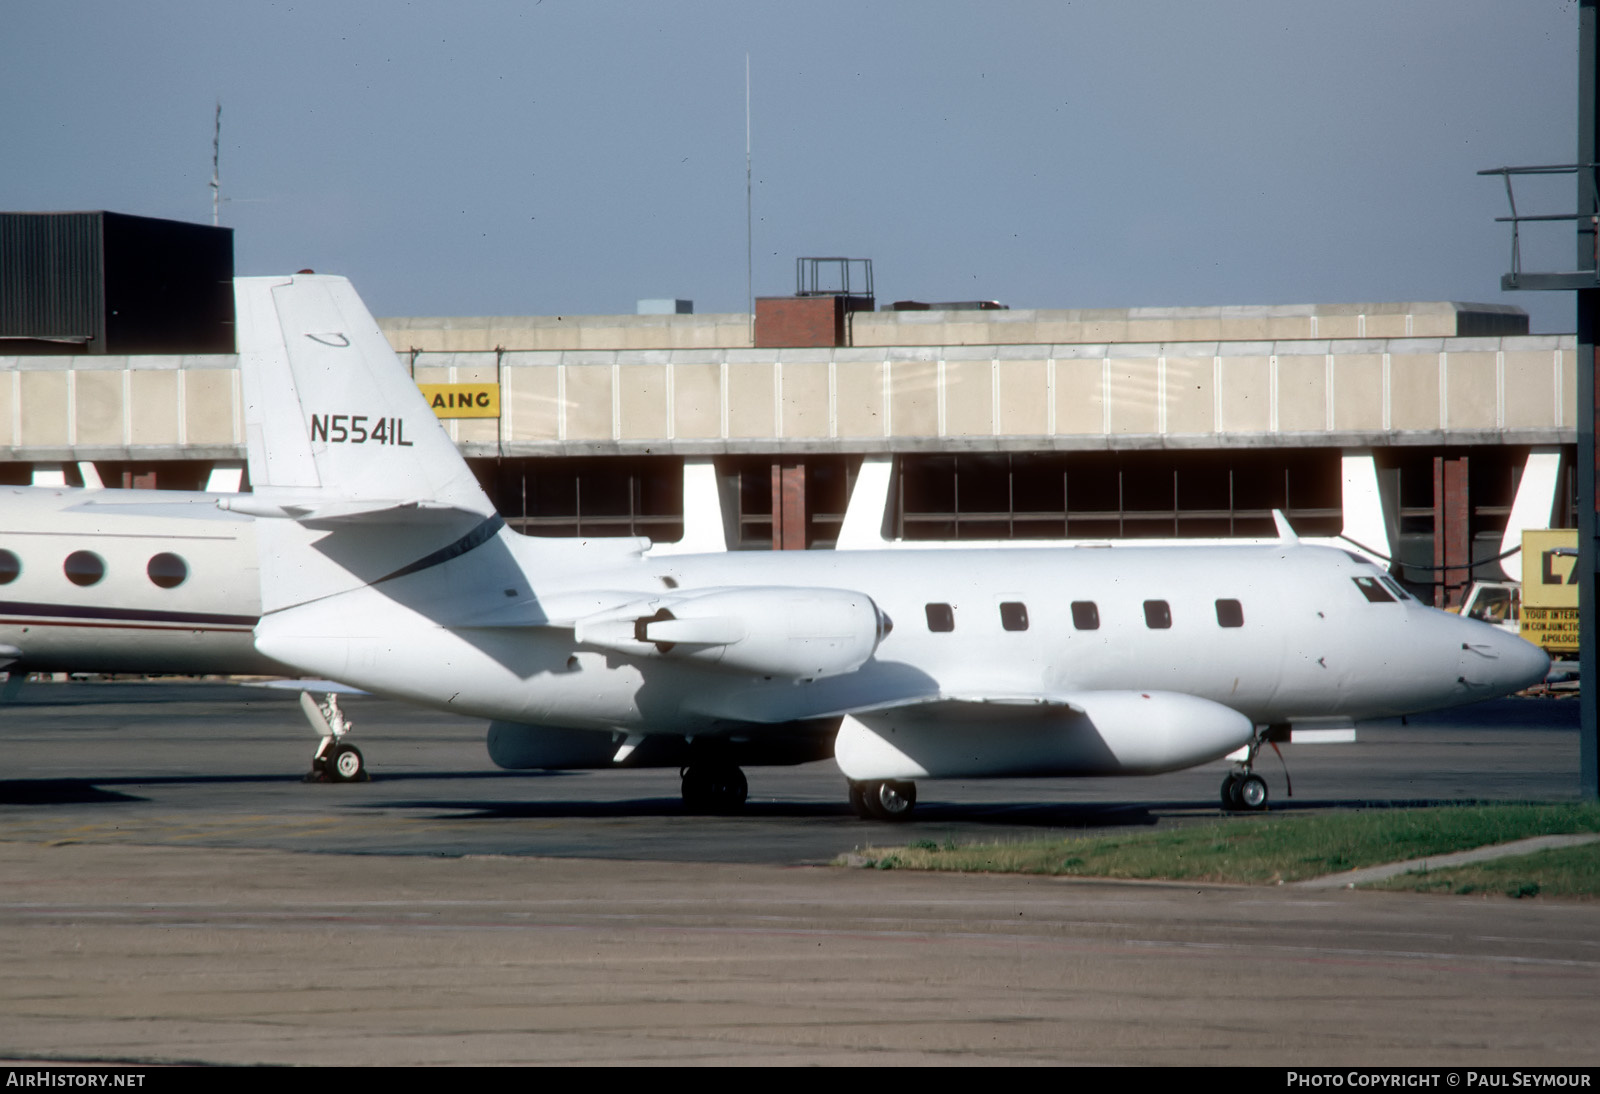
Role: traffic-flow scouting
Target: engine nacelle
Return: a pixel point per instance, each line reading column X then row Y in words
column 776, row 631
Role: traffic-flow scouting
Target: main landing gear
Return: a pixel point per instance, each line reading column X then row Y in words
column 335, row 761
column 714, row 788
column 885, row 800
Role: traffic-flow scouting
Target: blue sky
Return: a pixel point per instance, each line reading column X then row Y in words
column 561, row 157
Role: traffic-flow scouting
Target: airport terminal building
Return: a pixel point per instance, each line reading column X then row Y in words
column 1412, row 429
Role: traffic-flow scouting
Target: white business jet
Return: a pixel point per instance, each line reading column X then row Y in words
column 135, row 581
column 383, row 565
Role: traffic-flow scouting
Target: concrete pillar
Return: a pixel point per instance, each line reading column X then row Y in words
column 1452, row 539
column 789, row 517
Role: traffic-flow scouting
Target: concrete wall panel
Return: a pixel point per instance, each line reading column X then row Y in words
column 1338, row 326
column 1530, row 390
column 750, row 401
column 1358, row 391
column 859, row 393
column 644, row 402
column 1471, row 390
column 588, row 402
column 1243, row 328
column 1289, row 327
column 1191, row 395
column 208, row 412
column 1246, row 386
column 805, row 400
column 97, row 402
column 531, row 397
column 1133, row 395
column 153, row 406
column 1414, row 390
column 44, row 408
column 1080, row 396
column 8, row 408
column 914, row 398
column 1388, row 326
column 1302, row 394
column 697, row 401
column 968, row 398
column 1024, row 398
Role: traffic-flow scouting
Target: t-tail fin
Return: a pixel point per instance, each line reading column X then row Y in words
column 355, row 476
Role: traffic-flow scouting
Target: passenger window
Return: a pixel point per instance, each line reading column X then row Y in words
column 10, row 567
column 941, row 617
column 1014, row 615
column 167, row 570
column 1230, row 613
column 1373, row 590
column 84, row 567
column 1157, row 616
column 1085, row 616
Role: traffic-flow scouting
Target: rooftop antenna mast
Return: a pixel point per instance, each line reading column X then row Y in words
column 216, row 159
column 749, row 266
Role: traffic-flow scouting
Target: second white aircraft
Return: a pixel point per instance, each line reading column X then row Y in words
column 384, row 565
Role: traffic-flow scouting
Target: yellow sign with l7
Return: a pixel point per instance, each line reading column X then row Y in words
column 1550, row 567
column 1550, row 588
column 463, row 400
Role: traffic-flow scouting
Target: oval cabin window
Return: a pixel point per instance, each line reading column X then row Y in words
column 84, row 567
column 167, row 570
column 10, row 567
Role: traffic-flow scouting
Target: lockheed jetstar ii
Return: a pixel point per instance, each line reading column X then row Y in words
column 383, row 565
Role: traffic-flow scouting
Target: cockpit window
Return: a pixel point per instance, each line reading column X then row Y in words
column 1373, row 590
column 1397, row 589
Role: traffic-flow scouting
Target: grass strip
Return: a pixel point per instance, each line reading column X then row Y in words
column 1569, row 872
column 1259, row 849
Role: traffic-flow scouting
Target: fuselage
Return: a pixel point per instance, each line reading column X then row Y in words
column 1280, row 634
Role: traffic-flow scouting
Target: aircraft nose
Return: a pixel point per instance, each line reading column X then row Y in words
column 1501, row 663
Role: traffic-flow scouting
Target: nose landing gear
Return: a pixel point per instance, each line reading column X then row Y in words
column 1243, row 791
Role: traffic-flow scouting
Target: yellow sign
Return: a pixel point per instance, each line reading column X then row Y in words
column 1552, row 628
column 463, row 400
column 1550, row 568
